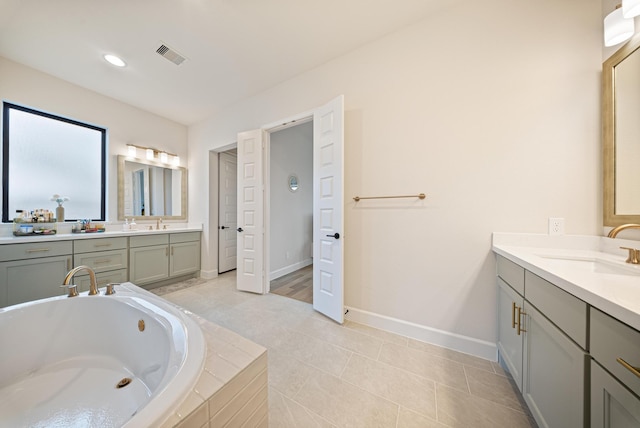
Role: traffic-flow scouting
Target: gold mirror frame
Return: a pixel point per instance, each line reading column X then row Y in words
column 609, row 135
column 183, row 191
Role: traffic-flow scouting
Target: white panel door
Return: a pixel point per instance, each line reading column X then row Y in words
column 227, row 212
column 328, row 215
column 250, row 229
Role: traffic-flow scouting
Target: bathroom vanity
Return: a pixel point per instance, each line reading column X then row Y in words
column 33, row 268
column 569, row 328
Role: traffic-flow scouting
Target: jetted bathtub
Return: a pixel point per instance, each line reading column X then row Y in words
column 127, row 359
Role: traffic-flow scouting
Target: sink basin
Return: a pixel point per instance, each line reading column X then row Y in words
column 591, row 264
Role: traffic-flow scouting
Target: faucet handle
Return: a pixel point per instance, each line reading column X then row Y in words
column 73, row 290
column 634, row 255
column 111, row 289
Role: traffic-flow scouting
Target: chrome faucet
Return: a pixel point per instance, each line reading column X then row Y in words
column 614, row 232
column 93, row 284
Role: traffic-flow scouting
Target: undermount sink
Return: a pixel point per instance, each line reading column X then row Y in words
column 592, row 264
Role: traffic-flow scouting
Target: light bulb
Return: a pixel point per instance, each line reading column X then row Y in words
column 617, row 29
column 150, row 154
column 132, row 151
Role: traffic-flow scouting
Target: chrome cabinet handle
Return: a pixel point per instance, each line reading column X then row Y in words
column 632, row 369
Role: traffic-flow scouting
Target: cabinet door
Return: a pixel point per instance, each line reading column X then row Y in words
column 553, row 373
column 185, row 258
column 509, row 342
column 25, row 280
column 612, row 405
column 148, row 264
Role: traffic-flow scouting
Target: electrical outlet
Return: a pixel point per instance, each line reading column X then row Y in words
column 556, row 226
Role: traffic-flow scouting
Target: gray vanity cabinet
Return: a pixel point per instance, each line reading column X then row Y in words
column 184, row 253
column 547, row 359
column 509, row 341
column 553, row 384
column 106, row 256
column 154, row 258
column 615, row 372
column 148, row 258
column 32, row 271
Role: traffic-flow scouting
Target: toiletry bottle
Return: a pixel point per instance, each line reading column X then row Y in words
column 133, row 225
column 125, row 226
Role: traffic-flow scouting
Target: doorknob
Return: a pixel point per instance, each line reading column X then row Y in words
column 239, row 229
column 223, row 227
column 335, row 235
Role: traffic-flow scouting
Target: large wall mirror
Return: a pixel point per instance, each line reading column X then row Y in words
column 621, row 135
column 149, row 190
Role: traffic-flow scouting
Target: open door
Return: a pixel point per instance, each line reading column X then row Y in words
column 251, row 254
column 328, row 213
column 227, row 214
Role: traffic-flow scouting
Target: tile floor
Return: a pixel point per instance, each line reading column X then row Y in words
column 322, row 374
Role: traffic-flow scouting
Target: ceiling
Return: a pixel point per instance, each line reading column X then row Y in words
column 234, row 48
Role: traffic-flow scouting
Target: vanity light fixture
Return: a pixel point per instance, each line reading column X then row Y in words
column 630, row 8
column 617, row 28
column 153, row 154
column 114, row 60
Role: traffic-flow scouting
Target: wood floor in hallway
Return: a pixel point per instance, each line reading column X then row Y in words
column 296, row 285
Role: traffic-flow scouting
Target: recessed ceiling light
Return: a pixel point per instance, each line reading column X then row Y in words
column 112, row 59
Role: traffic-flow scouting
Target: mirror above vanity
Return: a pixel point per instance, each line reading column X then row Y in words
column 150, row 190
column 621, row 135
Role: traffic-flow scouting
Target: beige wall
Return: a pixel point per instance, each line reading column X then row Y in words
column 126, row 124
column 491, row 108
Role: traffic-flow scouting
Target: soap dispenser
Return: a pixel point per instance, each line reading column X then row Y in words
column 133, row 225
column 125, row 226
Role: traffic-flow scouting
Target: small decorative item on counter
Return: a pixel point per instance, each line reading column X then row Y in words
column 31, row 228
column 59, row 209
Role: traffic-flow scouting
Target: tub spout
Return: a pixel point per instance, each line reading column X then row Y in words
column 93, row 286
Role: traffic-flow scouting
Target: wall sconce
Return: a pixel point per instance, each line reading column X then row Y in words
column 617, row 27
column 630, row 8
column 153, row 154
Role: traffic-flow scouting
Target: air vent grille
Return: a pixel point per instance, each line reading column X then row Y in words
column 170, row 54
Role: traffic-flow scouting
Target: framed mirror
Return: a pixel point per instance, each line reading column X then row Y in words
column 621, row 135
column 149, row 190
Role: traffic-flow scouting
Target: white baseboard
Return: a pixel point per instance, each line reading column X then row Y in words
column 209, row 274
column 288, row 269
column 457, row 342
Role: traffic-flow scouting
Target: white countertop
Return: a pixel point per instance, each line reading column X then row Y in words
column 614, row 293
column 61, row 236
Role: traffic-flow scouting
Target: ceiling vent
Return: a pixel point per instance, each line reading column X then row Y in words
column 170, row 54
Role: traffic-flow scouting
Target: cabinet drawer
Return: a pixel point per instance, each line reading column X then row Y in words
column 102, row 261
column 563, row 309
column 612, row 339
column 148, row 240
column 34, row 250
column 176, row 238
column 511, row 273
column 99, row 244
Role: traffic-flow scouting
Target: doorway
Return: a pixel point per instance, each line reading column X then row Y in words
column 328, row 207
column 290, row 171
column 227, row 210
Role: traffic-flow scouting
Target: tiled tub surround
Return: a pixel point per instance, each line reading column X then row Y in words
column 232, row 388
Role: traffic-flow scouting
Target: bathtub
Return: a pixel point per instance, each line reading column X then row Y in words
column 127, row 359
